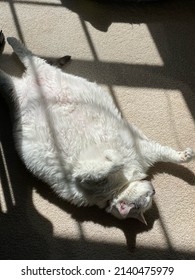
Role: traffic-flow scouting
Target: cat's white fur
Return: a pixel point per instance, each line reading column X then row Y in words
column 71, row 135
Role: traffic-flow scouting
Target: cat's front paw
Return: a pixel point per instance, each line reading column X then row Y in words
column 186, row 155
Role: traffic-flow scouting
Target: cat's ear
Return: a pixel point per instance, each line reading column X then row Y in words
column 141, row 218
column 124, row 208
column 98, row 168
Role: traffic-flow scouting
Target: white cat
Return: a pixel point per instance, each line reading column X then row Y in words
column 70, row 134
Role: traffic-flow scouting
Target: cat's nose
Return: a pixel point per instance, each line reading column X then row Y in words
column 153, row 192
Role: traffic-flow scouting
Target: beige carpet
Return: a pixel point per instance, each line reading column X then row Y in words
column 144, row 55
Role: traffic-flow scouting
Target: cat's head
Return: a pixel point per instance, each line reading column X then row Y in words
column 132, row 201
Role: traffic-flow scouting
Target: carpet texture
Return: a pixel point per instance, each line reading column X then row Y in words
column 144, row 56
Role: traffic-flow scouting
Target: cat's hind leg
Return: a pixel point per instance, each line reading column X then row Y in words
column 25, row 55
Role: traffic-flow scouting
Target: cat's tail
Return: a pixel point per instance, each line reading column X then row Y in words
column 2, row 42
column 7, row 88
column 7, row 92
column 6, row 83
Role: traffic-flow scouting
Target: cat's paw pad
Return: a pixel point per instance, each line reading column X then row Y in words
column 187, row 155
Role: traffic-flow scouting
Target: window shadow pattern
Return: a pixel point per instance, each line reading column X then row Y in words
column 24, row 241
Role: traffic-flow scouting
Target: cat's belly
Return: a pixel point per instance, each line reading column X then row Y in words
column 68, row 121
column 51, row 138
